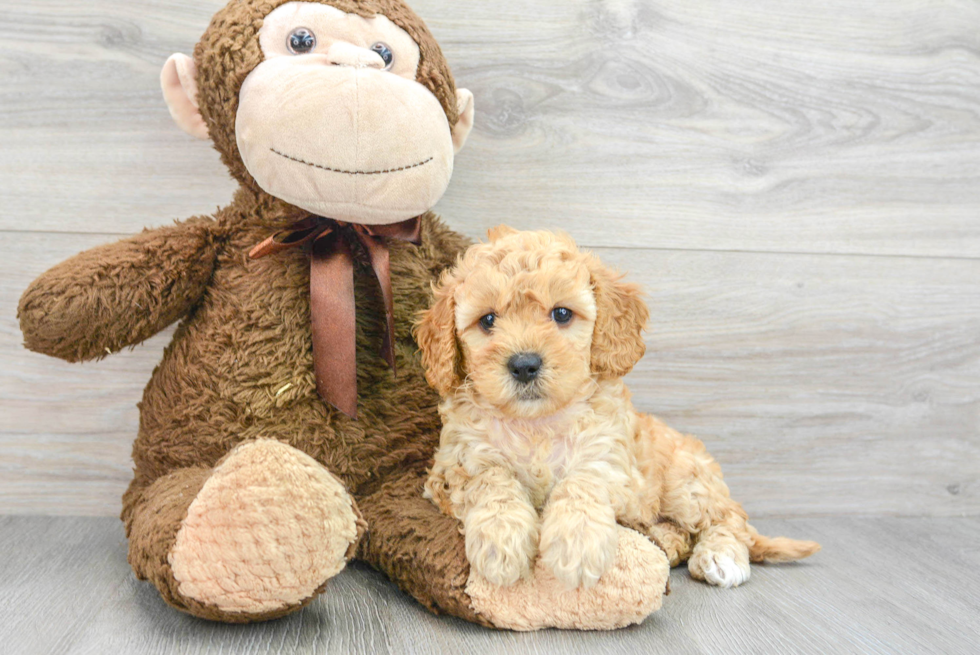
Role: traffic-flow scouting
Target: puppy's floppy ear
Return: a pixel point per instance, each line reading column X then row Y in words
column 501, row 230
column 621, row 317
column 435, row 333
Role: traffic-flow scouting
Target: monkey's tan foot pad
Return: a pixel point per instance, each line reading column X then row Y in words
column 626, row 594
column 267, row 530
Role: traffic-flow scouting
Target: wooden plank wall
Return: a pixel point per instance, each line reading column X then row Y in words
column 797, row 184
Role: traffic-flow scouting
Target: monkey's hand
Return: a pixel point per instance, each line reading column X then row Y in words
column 119, row 294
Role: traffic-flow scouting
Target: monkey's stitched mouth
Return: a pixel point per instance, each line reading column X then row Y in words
column 338, row 170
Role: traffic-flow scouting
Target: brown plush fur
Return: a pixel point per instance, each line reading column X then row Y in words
column 239, row 367
column 223, row 380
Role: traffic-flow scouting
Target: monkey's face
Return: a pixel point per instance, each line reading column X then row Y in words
column 334, row 120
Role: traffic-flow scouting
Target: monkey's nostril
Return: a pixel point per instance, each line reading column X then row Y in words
column 524, row 367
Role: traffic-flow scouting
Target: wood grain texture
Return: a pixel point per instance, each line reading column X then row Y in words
column 824, row 384
column 879, row 586
column 797, row 184
column 778, row 126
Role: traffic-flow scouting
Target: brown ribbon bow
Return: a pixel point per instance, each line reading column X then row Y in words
column 332, row 295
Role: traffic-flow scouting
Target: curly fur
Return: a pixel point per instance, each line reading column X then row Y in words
column 550, row 467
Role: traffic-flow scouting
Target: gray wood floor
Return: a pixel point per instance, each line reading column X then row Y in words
column 881, row 585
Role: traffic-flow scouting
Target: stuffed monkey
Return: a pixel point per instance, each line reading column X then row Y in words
column 289, row 426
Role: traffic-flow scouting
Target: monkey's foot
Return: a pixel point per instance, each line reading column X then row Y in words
column 263, row 535
column 627, row 593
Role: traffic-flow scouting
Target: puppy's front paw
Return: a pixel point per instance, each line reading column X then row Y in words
column 578, row 543
column 724, row 567
column 502, row 547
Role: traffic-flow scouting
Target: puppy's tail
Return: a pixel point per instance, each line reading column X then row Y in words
column 778, row 549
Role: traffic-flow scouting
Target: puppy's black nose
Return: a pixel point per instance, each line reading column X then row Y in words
column 524, row 366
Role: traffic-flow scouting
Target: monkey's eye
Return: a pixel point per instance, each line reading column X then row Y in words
column 561, row 315
column 486, row 322
column 386, row 54
column 301, row 41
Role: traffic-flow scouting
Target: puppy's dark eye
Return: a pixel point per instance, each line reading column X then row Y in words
column 386, row 54
column 561, row 315
column 486, row 322
column 301, row 41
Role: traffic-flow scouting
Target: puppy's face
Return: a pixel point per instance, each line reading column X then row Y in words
column 526, row 323
column 524, row 318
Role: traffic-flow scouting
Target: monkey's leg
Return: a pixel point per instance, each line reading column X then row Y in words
column 417, row 546
column 252, row 539
column 424, row 551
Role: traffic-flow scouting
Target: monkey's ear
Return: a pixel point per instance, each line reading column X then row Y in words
column 621, row 317
column 464, row 103
column 436, row 335
column 178, row 79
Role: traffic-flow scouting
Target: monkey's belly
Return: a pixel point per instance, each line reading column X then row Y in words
column 210, row 393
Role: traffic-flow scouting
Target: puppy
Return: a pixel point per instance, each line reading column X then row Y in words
column 541, row 451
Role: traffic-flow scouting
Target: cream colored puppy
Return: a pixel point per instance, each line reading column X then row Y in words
column 542, row 451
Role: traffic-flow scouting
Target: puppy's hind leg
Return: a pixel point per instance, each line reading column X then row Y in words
column 674, row 540
column 727, row 543
column 725, row 548
column 721, row 556
column 693, row 499
column 696, row 499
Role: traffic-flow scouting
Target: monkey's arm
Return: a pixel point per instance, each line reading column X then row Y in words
column 119, row 294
